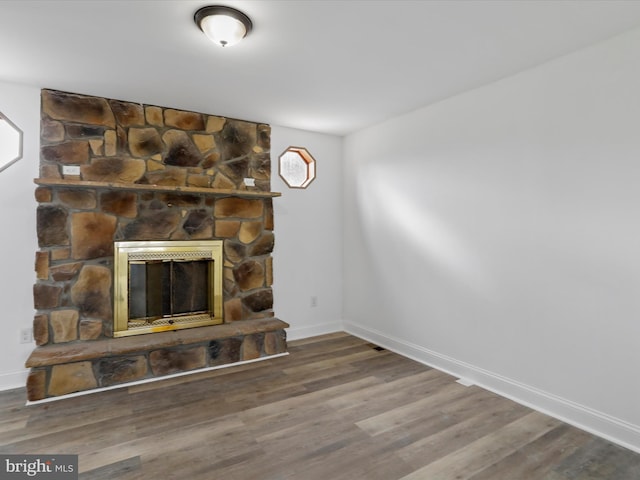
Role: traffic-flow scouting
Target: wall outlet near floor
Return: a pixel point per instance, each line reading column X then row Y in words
column 26, row 335
column 314, row 301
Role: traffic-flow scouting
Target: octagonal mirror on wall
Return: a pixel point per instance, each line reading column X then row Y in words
column 297, row 167
column 10, row 142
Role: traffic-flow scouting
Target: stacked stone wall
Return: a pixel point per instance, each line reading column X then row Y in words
column 119, row 146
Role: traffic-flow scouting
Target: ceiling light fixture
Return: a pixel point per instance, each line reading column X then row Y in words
column 224, row 26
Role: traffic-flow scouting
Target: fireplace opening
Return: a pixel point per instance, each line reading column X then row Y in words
column 163, row 286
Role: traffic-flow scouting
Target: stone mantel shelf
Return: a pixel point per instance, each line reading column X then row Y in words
column 67, row 183
column 60, row 353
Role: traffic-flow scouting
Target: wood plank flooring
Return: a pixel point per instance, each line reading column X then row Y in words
column 335, row 408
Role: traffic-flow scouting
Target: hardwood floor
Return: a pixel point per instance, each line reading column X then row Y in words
column 335, row 408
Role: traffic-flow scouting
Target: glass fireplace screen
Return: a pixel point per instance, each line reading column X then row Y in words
column 163, row 286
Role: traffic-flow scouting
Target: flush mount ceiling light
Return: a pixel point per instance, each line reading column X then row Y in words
column 224, row 26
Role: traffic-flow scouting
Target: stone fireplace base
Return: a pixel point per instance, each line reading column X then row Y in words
column 63, row 369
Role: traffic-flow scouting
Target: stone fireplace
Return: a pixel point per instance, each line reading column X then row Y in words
column 139, row 192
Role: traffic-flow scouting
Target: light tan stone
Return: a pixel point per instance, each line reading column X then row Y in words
column 183, row 120
column 60, row 254
column 170, row 177
column 238, row 207
column 204, row 142
column 268, row 266
column 201, row 181
column 215, row 124
column 42, row 265
column 110, row 143
column 71, row 377
column 223, row 183
column 227, row 228
column 249, row 231
column 154, row 116
column 96, row 147
column 43, row 195
column 64, row 324
column 154, row 166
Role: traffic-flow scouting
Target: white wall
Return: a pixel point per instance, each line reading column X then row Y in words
column 308, row 227
column 18, row 242
column 497, row 235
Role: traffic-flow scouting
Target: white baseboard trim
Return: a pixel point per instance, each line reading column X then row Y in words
column 9, row 381
column 294, row 333
column 606, row 426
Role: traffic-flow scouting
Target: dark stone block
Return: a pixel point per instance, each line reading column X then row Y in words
column 222, row 352
column 263, row 245
column 234, row 252
column 166, row 361
column 122, row 204
column 36, row 384
column 52, row 226
column 112, row 371
column 259, row 301
column 264, row 136
column 41, row 329
column 114, row 169
column 92, row 292
column 85, row 131
column 144, row 142
column 46, row 296
column 153, row 226
column 238, row 139
column 77, row 108
column 198, row 221
column 181, row 150
column 127, row 113
column 180, row 200
column 70, row 153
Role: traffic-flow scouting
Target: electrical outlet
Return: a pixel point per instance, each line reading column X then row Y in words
column 71, row 169
column 250, row 182
column 26, row 335
column 314, row 301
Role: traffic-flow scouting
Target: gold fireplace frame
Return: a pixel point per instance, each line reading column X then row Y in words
column 126, row 252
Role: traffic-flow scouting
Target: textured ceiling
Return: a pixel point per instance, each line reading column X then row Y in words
column 326, row 66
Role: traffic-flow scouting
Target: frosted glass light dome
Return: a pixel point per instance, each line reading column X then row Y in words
column 224, row 26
